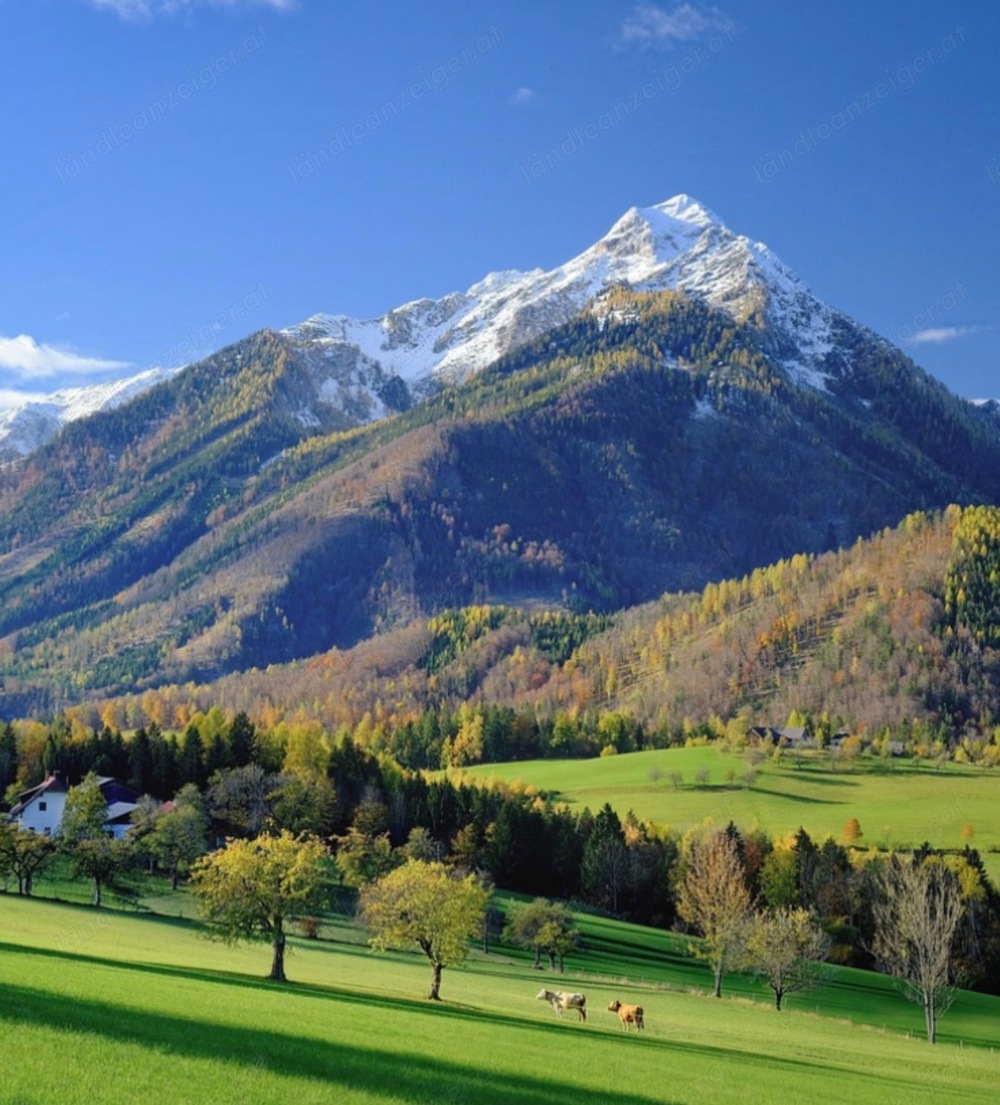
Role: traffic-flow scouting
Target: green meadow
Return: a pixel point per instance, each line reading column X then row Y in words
column 100, row 1006
column 898, row 802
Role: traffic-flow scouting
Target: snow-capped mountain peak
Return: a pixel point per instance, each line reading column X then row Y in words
column 677, row 244
column 368, row 367
column 686, row 209
column 30, row 425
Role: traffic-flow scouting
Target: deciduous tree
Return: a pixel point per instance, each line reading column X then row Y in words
column 180, row 836
column 784, row 947
column 917, row 911
column 239, row 800
column 251, row 889
column 85, row 812
column 714, row 898
column 779, row 878
column 542, row 927
column 93, row 853
column 428, row 905
column 23, row 854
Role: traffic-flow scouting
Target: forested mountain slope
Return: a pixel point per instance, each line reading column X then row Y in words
column 897, row 634
column 247, row 512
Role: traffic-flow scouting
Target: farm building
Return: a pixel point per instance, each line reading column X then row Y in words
column 41, row 808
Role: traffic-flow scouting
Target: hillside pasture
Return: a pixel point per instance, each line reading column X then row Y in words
column 899, row 803
column 100, row 1005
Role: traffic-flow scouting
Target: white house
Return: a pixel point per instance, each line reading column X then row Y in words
column 41, row 808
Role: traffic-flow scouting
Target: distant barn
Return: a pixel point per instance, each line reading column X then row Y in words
column 790, row 736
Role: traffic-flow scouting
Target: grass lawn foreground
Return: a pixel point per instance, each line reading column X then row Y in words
column 103, row 1006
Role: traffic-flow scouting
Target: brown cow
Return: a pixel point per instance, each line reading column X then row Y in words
column 628, row 1014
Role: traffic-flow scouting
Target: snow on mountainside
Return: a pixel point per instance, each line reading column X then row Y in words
column 678, row 244
column 26, row 427
column 361, row 370
column 990, row 408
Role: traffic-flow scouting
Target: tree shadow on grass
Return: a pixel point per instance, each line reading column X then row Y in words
column 369, row 999
column 801, row 799
column 371, row 1071
column 821, row 779
column 368, row 1070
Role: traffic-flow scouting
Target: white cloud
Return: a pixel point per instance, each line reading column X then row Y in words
column 937, row 334
column 11, row 398
column 146, row 9
column 521, row 97
column 650, row 26
column 33, row 361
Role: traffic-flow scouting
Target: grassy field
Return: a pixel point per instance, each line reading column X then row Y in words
column 99, row 1007
column 900, row 803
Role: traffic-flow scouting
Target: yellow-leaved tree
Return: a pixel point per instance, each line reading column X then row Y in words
column 428, row 905
column 252, row 889
column 714, row 898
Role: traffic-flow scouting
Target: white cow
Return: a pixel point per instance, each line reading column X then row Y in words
column 561, row 1002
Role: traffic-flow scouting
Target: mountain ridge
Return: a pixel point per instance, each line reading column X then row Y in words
column 289, row 494
column 678, row 244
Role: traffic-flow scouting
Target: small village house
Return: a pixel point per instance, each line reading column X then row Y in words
column 41, row 808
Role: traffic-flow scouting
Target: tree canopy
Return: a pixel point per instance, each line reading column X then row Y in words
column 917, row 913
column 545, row 927
column 428, row 905
column 251, row 889
column 23, row 854
column 93, row 853
column 784, row 947
column 713, row 896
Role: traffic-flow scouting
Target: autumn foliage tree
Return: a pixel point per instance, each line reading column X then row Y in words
column 427, row 905
column 714, row 898
column 784, row 948
column 251, row 889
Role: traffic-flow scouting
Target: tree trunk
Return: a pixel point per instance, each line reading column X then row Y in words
column 435, row 994
column 97, row 893
column 778, row 995
column 278, row 961
column 552, row 960
column 717, row 990
column 175, row 877
column 562, row 965
column 538, row 959
column 930, row 1018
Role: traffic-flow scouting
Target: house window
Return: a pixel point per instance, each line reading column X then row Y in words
column 42, row 807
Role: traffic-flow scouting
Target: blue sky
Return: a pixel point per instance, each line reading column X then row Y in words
column 179, row 173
